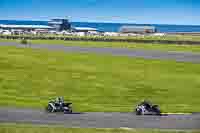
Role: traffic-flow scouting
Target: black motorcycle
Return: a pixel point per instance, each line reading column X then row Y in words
column 146, row 108
column 59, row 106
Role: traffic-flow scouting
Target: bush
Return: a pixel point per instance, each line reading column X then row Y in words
column 24, row 41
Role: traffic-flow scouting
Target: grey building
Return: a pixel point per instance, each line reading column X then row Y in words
column 60, row 24
column 137, row 29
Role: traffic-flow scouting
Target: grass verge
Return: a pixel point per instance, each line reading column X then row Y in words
column 20, row 128
column 30, row 78
column 162, row 47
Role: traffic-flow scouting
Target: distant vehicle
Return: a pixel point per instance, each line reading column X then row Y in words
column 58, row 105
column 146, row 108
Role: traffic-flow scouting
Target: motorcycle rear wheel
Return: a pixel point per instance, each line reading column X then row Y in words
column 156, row 109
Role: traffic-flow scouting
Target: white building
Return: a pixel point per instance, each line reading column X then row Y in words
column 84, row 29
column 111, row 34
column 6, row 32
column 158, row 34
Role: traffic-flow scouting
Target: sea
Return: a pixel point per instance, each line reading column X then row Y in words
column 112, row 27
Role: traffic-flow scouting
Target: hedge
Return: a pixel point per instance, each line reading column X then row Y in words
column 99, row 39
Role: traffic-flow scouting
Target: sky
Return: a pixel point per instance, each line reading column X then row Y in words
column 184, row 12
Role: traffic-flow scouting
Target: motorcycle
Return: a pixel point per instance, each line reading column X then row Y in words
column 146, row 108
column 54, row 106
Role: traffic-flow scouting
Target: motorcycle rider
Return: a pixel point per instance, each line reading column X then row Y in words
column 146, row 104
column 59, row 101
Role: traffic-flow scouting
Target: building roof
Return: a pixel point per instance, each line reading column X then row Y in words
column 26, row 26
column 85, row 28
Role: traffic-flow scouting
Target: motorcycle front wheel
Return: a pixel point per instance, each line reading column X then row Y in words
column 49, row 109
column 138, row 112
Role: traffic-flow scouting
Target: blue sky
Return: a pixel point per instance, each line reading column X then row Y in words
column 128, row 11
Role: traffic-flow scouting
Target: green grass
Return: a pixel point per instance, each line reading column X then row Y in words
column 19, row 128
column 162, row 47
column 29, row 78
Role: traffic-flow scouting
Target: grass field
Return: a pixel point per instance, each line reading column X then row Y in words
column 29, row 78
column 163, row 47
column 13, row 128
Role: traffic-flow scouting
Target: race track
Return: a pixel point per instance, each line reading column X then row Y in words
column 147, row 54
column 106, row 120
column 100, row 120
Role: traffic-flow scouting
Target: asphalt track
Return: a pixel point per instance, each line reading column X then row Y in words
column 147, row 54
column 100, row 120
